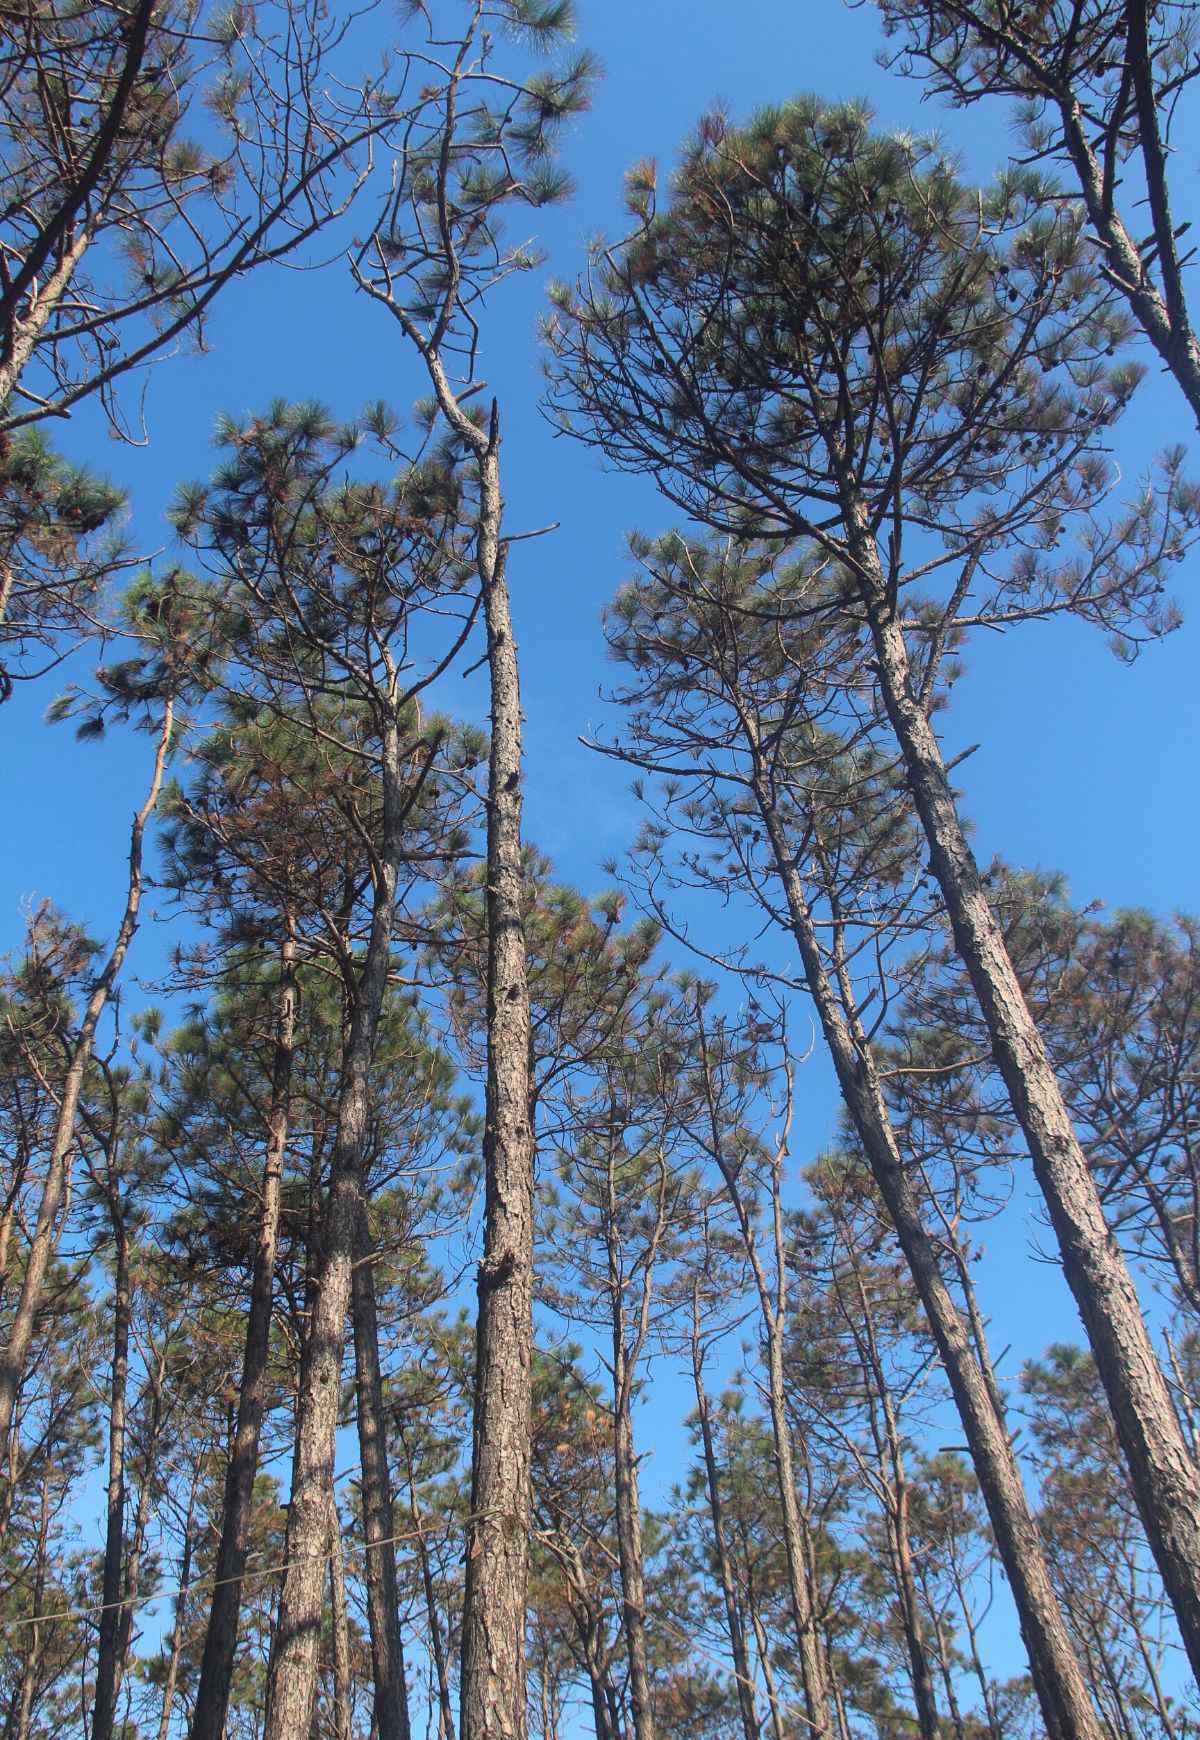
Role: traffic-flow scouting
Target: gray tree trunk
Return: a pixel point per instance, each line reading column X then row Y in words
column 1166, row 1482
column 1062, row 1691
column 493, row 1632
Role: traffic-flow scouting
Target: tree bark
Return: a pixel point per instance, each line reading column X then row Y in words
column 14, row 1355
column 493, row 1633
column 104, row 1706
column 220, row 1641
column 1062, row 1691
column 629, row 1540
column 437, row 1644
column 772, row 1312
column 340, row 1627
column 733, row 1618
column 292, row 1674
column 1166, row 1482
column 383, row 1605
column 177, row 1624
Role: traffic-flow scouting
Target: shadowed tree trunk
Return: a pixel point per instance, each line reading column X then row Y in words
column 220, row 1641
column 383, row 1606
column 292, row 1675
column 105, row 1704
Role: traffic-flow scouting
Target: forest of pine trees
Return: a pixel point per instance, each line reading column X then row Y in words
column 431, row 1307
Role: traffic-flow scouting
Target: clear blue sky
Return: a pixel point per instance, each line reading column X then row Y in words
column 1084, row 765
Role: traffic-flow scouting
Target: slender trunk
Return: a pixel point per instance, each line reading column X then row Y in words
column 340, row 1626
column 104, row 1708
column 986, row 1690
column 808, row 1643
column 763, row 1644
column 948, row 1683
column 493, row 1633
column 1166, row 1482
column 910, row 1612
column 1162, row 316
column 292, row 1674
column 21, row 1710
column 772, row 1310
column 437, row 1645
column 893, row 1478
column 1062, row 1691
column 629, row 1542
column 171, row 1678
column 733, row 1618
column 14, row 1355
column 220, row 1640
column 131, row 1584
column 383, row 1606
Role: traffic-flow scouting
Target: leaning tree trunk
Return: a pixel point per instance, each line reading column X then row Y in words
column 1062, row 1690
column 14, row 1355
column 292, row 1674
column 1166, row 1482
column 220, row 1641
column 383, row 1604
column 493, row 1628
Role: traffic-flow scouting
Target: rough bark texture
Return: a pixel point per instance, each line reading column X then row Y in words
column 14, row 1355
column 108, row 1648
column 383, row 1604
column 1166, row 1482
column 340, row 1629
column 493, row 1633
column 1163, row 316
column 292, row 1676
column 220, row 1642
column 1062, row 1692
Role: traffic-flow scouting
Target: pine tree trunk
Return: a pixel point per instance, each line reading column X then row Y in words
column 383, row 1605
column 629, row 1541
column 733, row 1618
column 1166, row 1482
column 437, row 1645
column 1062, row 1691
column 220, row 1641
column 340, row 1627
column 292, row 1674
column 493, row 1632
column 105, row 1705
column 772, row 1311
column 178, row 1618
column 14, row 1355
column 808, row 1643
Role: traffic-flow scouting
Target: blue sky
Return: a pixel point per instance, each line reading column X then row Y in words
column 1084, row 765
